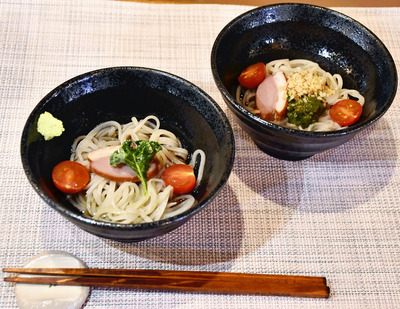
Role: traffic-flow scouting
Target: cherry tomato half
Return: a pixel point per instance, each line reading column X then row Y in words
column 70, row 177
column 345, row 112
column 253, row 75
column 181, row 177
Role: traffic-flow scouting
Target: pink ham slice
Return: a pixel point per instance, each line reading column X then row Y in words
column 271, row 97
column 100, row 164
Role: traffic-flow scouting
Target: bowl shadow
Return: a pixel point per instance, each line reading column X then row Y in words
column 235, row 216
column 275, row 189
column 359, row 169
column 194, row 243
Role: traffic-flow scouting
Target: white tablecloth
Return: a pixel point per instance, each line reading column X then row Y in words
column 334, row 215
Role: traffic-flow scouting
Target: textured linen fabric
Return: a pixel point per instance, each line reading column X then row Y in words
column 334, row 215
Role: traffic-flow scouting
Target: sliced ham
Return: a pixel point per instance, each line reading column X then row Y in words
column 100, row 164
column 102, row 152
column 271, row 97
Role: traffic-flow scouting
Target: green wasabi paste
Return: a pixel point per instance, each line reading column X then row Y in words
column 49, row 126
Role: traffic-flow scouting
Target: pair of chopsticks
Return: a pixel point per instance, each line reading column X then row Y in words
column 177, row 281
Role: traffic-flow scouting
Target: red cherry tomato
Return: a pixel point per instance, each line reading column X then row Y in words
column 70, row 177
column 345, row 112
column 253, row 75
column 181, row 177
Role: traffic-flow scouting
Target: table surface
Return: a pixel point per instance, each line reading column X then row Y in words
column 327, row 3
column 334, row 215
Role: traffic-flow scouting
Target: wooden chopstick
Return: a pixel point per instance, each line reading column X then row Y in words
column 178, row 281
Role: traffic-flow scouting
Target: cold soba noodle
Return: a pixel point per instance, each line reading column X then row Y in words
column 126, row 202
column 304, row 78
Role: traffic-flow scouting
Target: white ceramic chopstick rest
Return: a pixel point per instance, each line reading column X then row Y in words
column 31, row 296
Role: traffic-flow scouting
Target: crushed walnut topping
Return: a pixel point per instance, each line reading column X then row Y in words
column 306, row 83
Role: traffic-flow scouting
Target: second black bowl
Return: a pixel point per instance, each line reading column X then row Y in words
column 338, row 43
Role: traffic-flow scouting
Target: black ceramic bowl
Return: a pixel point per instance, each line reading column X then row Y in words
column 119, row 94
column 336, row 42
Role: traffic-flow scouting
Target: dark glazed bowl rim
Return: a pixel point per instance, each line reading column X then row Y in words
column 264, row 124
column 119, row 226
